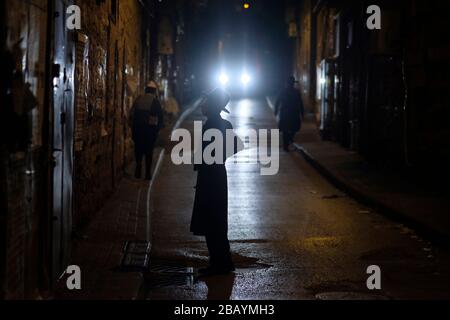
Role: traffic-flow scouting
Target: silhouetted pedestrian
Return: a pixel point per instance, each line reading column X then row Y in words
column 289, row 107
column 210, row 213
column 146, row 119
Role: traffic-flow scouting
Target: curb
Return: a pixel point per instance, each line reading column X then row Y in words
column 193, row 107
column 427, row 232
column 270, row 103
column 148, row 208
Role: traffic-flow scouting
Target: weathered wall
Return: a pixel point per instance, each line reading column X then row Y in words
column 110, row 73
column 303, row 58
column 109, row 77
column 314, row 43
column 374, row 68
column 22, row 178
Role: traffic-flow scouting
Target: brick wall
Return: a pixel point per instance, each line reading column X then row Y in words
column 372, row 81
column 109, row 75
column 303, row 57
column 22, row 171
column 113, row 47
column 16, row 230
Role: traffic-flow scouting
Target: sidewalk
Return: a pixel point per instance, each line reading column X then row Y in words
column 99, row 250
column 406, row 200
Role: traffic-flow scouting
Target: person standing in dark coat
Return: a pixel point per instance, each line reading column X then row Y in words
column 210, row 212
column 289, row 107
column 146, row 119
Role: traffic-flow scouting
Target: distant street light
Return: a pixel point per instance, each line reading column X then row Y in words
column 246, row 6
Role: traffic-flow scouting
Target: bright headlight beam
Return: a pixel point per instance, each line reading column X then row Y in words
column 223, row 78
column 245, row 78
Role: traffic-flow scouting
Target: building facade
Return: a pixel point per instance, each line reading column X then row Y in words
column 381, row 92
column 64, row 141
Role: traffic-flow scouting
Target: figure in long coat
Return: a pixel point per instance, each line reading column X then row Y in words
column 146, row 120
column 210, row 213
column 289, row 108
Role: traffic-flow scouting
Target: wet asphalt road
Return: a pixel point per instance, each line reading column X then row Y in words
column 293, row 235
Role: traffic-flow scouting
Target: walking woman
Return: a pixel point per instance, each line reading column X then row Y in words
column 210, row 213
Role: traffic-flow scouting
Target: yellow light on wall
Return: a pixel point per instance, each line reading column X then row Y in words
column 246, row 6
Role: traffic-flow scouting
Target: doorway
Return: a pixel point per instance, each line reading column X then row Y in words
column 63, row 138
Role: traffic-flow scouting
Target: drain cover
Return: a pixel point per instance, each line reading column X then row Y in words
column 138, row 247
column 166, row 274
column 158, row 280
column 135, row 261
column 136, row 255
column 163, row 268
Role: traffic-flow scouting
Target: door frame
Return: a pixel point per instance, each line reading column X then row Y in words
column 62, row 153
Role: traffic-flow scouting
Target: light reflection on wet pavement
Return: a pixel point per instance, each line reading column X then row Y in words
column 293, row 235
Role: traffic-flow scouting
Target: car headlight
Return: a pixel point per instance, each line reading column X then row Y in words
column 223, row 79
column 245, row 79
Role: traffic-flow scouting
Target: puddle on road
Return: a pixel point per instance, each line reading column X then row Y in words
column 173, row 273
column 349, row 296
column 390, row 254
column 243, row 262
column 312, row 243
column 252, row 241
column 344, row 290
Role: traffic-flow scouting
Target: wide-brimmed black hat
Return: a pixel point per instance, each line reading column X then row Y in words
column 217, row 99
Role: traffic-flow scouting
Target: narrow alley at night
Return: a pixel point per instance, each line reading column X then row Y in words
column 246, row 152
